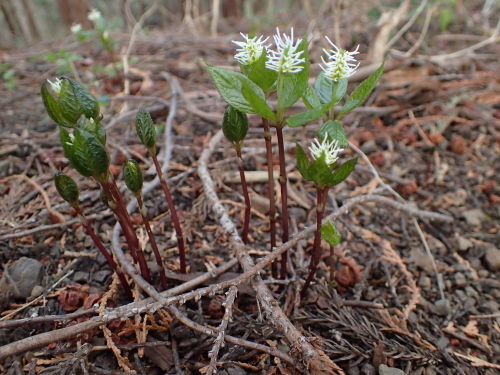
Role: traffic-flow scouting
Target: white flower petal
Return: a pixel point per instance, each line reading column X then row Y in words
column 331, row 150
column 56, row 86
column 340, row 63
column 250, row 50
column 285, row 59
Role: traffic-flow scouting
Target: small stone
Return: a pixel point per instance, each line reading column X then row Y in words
column 101, row 276
column 460, row 280
column 483, row 273
column 353, row 370
column 37, row 291
column 448, row 284
column 463, row 244
column 26, row 273
column 424, row 282
column 153, row 267
column 368, row 369
column 474, row 217
column 471, row 292
column 421, row 259
column 443, row 342
column 492, row 259
column 385, row 370
column 369, row 146
column 81, row 277
column 442, row 307
column 490, row 306
column 431, row 370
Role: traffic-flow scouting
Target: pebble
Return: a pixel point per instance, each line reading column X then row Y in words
column 385, row 370
column 471, row 292
column 26, row 273
column 492, row 259
column 424, row 282
column 101, row 276
column 37, row 291
column 460, row 280
column 490, row 306
column 442, row 307
column 463, row 244
column 368, row 369
column 483, row 273
column 421, row 259
column 81, row 277
column 474, row 217
column 443, row 342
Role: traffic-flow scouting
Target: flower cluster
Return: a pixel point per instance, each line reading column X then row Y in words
column 94, row 15
column 286, row 59
column 329, row 148
column 250, row 50
column 340, row 64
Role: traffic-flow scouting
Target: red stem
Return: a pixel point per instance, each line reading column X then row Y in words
column 272, row 203
column 284, row 199
column 128, row 229
column 246, row 224
column 161, row 270
column 320, row 210
column 173, row 212
column 102, row 249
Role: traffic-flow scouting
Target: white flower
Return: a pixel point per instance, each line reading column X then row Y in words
column 94, row 15
column 250, row 50
column 72, row 138
column 285, row 59
column 340, row 64
column 56, row 86
column 76, row 28
column 331, row 150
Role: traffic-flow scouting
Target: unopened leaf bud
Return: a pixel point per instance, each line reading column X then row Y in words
column 132, row 175
column 67, row 188
column 235, row 126
column 145, row 128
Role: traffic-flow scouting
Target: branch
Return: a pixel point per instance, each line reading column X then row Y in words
column 312, row 357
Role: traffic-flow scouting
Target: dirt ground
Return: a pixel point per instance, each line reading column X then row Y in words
column 431, row 129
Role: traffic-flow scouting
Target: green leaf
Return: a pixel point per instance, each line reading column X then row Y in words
column 90, row 156
column 330, row 234
column 335, row 131
column 67, row 188
column 320, row 171
column 75, row 100
column 132, row 175
column 259, row 74
column 52, row 107
column 240, row 92
column 88, row 102
column 303, row 118
column 67, row 144
column 361, row 92
column 294, row 84
column 310, row 97
column 145, row 128
column 342, row 172
column 92, row 126
column 235, row 126
column 324, row 88
column 302, row 162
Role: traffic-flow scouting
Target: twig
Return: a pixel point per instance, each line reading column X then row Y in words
column 311, row 356
column 46, row 319
column 415, row 223
column 6, row 317
column 221, row 330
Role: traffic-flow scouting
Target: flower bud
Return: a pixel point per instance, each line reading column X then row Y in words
column 67, row 188
column 133, row 176
column 235, row 126
column 72, row 101
column 145, row 128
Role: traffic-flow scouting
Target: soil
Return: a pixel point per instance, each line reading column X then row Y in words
column 432, row 131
